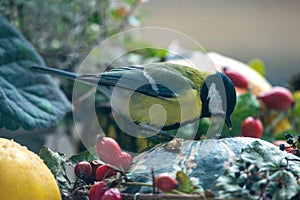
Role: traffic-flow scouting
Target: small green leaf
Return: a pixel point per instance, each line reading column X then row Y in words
column 56, row 162
column 258, row 65
column 184, row 184
column 88, row 155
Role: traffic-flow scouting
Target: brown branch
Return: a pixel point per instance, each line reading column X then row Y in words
column 164, row 197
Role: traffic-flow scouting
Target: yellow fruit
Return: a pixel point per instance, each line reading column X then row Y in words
column 257, row 82
column 23, row 175
column 282, row 125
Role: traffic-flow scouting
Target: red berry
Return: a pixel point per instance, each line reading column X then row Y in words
column 165, row 182
column 126, row 160
column 95, row 164
column 112, row 194
column 288, row 149
column 237, row 78
column 83, row 170
column 104, row 172
column 252, row 127
column 108, row 150
column 278, row 98
column 97, row 190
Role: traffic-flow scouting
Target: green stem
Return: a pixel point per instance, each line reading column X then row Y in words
column 177, row 192
column 136, row 184
column 278, row 118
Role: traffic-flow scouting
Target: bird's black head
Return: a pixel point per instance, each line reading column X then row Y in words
column 218, row 97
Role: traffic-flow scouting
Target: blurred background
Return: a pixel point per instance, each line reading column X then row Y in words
column 243, row 30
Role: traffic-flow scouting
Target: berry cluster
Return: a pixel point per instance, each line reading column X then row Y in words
column 290, row 145
column 264, row 112
column 103, row 178
column 247, row 176
column 256, row 181
column 99, row 175
column 100, row 191
column 94, row 171
column 102, row 174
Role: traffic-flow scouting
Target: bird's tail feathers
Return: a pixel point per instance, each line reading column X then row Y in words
column 56, row 72
column 85, row 78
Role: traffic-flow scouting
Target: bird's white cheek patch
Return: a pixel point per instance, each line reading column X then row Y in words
column 215, row 100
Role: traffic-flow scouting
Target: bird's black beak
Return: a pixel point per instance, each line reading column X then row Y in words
column 228, row 123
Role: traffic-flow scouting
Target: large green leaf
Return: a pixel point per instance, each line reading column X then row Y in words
column 27, row 100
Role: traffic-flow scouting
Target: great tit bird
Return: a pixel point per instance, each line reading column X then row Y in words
column 162, row 96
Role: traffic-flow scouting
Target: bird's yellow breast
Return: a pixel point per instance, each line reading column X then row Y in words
column 158, row 112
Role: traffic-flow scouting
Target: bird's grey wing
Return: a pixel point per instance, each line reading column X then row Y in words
column 132, row 78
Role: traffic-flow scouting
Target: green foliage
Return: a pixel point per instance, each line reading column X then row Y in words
column 74, row 27
column 204, row 124
column 295, row 114
column 56, row 162
column 296, row 108
column 246, row 105
column 270, row 175
column 88, row 155
column 184, row 184
column 27, row 100
column 63, row 33
column 258, row 65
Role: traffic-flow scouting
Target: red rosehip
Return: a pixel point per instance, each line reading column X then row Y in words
column 83, row 170
column 104, row 171
column 237, row 78
column 165, row 182
column 108, row 150
column 252, row 127
column 97, row 190
column 112, row 194
column 95, row 164
column 278, row 98
column 125, row 161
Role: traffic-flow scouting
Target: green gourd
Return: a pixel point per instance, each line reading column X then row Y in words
column 202, row 161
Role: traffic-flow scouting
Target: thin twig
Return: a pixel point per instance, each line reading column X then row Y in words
column 153, row 182
column 124, row 22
